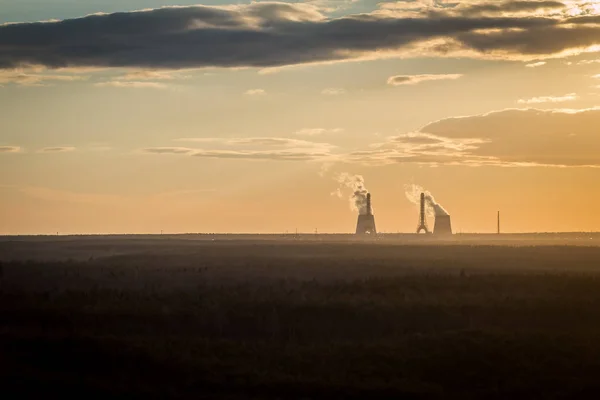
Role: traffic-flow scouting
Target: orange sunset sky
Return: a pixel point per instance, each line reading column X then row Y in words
column 137, row 116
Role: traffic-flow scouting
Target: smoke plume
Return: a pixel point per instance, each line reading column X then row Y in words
column 432, row 208
column 358, row 195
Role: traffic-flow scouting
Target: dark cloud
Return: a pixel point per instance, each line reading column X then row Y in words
column 270, row 35
column 399, row 80
column 537, row 41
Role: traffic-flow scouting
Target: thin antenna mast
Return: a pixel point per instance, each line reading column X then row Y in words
column 498, row 222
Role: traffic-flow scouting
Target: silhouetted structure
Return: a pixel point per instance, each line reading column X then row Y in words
column 442, row 225
column 422, row 221
column 498, row 222
column 366, row 222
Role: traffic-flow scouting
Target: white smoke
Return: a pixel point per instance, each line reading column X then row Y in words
column 358, row 195
column 432, row 208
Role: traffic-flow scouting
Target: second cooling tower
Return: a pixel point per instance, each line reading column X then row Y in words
column 442, row 225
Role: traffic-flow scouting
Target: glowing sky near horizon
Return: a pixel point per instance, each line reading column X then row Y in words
column 138, row 116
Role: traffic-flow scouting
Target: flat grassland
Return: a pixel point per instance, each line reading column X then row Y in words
column 230, row 317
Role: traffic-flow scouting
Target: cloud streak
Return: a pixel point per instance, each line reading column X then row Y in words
column 168, row 150
column 279, row 155
column 333, row 91
column 549, row 99
column 264, row 155
column 399, row 80
column 22, row 77
column 9, row 149
column 251, row 148
column 148, row 75
column 132, row 85
column 588, row 62
column 257, row 141
column 255, row 92
column 57, row 149
column 536, row 64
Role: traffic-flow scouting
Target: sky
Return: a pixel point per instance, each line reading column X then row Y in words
column 142, row 116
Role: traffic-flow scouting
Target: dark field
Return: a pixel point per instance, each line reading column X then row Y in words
column 495, row 317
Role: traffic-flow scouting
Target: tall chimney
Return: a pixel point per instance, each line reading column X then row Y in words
column 422, row 214
column 369, row 210
column 422, row 222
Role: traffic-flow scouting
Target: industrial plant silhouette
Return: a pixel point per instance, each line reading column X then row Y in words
column 366, row 222
column 442, row 226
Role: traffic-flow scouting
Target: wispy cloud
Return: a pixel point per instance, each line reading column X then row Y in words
column 281, row 155
column 28, row 77
column 588, row 62
column 57, row 149
column 536, row 64
column 168, row 150
column 10, row 149
column 258, row 142
column 274, row 155
column 415, row 79
column 146, row 75
column 255, row 92
column 154, row 76
column 132, row 84
column 333, row 91
column 549, row 99
column 317, row 131
column 251, row 148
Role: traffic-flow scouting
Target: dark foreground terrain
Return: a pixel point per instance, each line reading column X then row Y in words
column 283, row 318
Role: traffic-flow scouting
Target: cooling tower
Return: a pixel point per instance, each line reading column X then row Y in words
column 366, row 221
column 442, row 225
